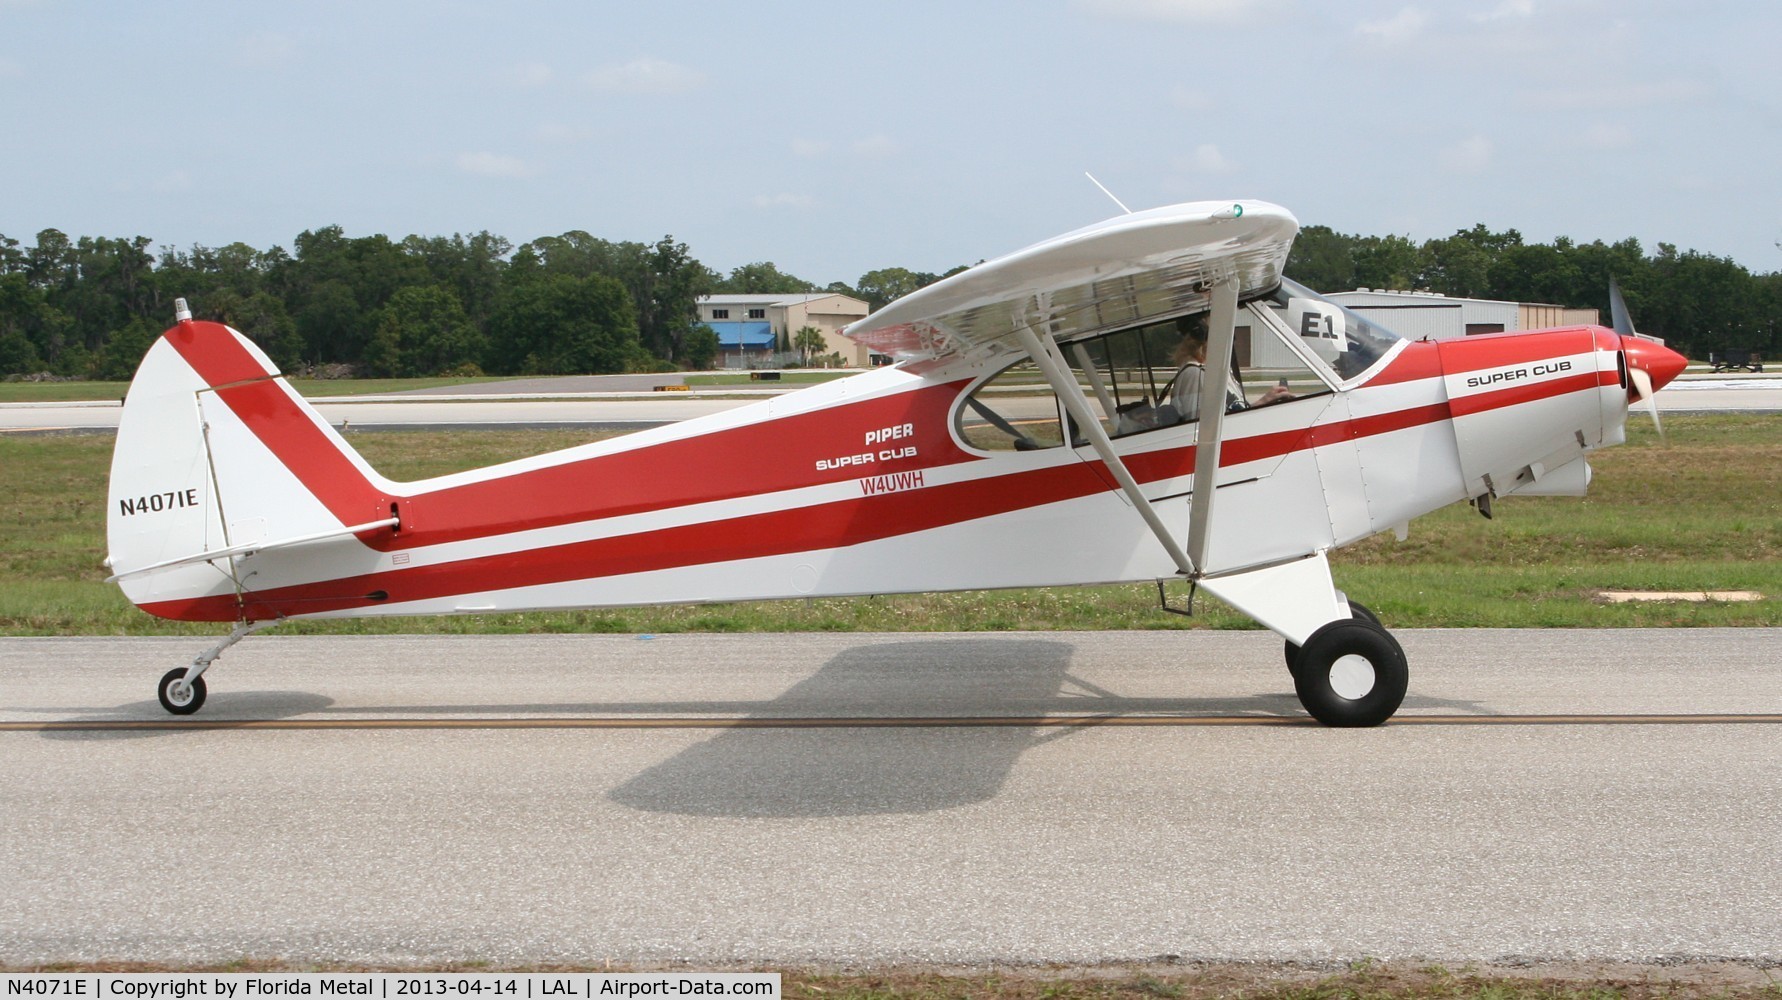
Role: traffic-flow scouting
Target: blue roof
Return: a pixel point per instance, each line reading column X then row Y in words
column 757, row 334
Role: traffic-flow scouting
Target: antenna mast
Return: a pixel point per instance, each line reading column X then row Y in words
column 1105, row 191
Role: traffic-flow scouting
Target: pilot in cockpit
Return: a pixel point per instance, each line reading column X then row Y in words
column 1191, row 356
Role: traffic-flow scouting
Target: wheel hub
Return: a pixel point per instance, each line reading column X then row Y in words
column 1352, row 676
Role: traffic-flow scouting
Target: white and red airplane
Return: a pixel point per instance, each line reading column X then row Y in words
column 1028, row 435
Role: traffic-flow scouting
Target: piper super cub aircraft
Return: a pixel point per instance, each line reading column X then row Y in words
column 1031, row 433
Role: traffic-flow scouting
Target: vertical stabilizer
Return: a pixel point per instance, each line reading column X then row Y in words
column 217, row 454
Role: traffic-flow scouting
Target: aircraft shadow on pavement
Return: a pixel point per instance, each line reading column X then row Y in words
column 855, row 771
column 225, row 706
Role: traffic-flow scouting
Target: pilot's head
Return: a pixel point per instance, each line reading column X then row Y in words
column 1194, row 338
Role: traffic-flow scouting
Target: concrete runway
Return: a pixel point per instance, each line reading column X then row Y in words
column 1025, row 797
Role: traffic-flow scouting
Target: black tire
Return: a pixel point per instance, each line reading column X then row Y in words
column 1351, row 673
column 192, row 703
column 1357, row 611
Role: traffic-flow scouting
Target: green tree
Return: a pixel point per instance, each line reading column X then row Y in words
column 1461, row 264
column 423, row 331
column 664, row 281
column 699, row 349
column 1536, row 273
column 123, row 351
column 808, row 341
column 1322, row 259
column 23, row 316
column 261, row 317
column 469, row 266
column 558, row 324
column 1386, row 262
column 888, row 284
column 331, row 323
column 763, row 278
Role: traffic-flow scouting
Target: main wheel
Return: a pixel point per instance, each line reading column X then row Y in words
column 1351, row 673
column 179, row 697
column 1357, row 611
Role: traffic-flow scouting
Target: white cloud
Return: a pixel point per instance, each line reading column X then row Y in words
column 1176, row 11
column 875, row 146
column 810, row 147
column 1506, row 9
column 263, row 50
column 1401, row 27
column 646, row 75
column 1468, row 156
column 531, row 74
column 486, row 164
column 784, row 200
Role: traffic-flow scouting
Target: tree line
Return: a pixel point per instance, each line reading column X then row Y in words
column 575, row 303
column 1697, row 302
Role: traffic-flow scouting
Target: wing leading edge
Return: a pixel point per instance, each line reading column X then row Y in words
column 1126, row 271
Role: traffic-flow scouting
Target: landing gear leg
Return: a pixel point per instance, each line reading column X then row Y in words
column 181, row 690
column 1350, row 671
column 1357, row 610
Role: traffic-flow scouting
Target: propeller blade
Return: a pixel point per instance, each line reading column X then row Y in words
column 1642, row 383
column 1618, row 317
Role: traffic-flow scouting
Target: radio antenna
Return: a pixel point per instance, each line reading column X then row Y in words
column 1105, row 191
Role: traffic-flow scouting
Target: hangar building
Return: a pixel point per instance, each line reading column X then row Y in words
column 755, row 331
column 1416, row 315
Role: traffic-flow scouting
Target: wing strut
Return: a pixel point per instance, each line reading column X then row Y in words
column 1045, row 354
column 1221, row 332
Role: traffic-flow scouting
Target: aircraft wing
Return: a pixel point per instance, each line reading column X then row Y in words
column 1126, row 271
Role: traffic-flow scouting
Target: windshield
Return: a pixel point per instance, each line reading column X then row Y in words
column 1344, row 338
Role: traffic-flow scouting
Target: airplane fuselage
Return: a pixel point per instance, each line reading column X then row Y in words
column 864, row 485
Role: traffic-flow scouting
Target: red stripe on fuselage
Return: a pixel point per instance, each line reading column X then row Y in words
column 822, row 526
column 1500, row 350
column 1418, row 360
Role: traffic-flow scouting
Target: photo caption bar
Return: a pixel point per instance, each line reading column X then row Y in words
column 385, row 985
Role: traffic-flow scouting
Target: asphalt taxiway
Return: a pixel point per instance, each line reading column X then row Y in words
column 846, row 799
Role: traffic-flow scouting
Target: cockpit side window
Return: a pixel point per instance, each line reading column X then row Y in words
column 1347, row 341
column 1151, row 377
column 1013, row 411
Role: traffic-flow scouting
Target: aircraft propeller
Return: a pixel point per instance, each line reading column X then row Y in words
column 1650, row 365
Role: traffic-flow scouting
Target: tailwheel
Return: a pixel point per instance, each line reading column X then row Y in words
column 177, row 695
column 1351, row 673
column 1357, row 611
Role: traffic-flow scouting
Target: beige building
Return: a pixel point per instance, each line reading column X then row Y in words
column 756, row 330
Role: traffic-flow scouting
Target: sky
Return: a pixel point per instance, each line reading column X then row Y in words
column 833, row 138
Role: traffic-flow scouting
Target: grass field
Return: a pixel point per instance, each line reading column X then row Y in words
column 1701, row 512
